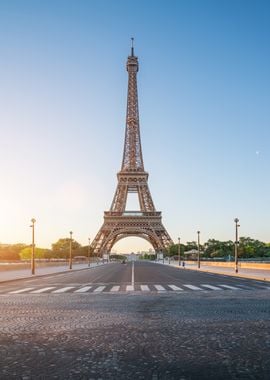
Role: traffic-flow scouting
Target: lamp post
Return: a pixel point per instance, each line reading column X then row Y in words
column 33, row 267
column 89, row 251
column 236, row 220
column 70, row 250
column 179, row 253
column 199, row 259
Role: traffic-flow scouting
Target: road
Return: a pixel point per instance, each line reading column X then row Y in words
column 137, row 320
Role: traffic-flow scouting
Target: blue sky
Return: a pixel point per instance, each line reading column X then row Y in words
column 204, row 114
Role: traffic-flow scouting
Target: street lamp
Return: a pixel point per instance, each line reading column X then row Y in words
column 236, row 220
column 33, row 246
column 179, row 253
column 70, row 250
column 89, row 251
column 199, row 260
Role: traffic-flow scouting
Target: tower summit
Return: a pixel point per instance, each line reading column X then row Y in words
column 132, row 178
column 132, row 157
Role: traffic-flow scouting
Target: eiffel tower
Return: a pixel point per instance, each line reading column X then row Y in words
column 132, row 178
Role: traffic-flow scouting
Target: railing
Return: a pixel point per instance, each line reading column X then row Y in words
column 132, row 213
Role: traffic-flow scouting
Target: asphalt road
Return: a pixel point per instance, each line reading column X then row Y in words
column 136, row 276
column 135, row 321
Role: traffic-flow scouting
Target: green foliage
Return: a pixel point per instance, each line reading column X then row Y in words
column 191, row 245
column 11, row 252
column 40, row 253
column 60, row 249
column 215, row 248
column 63, row 244
column 173, row 250
column 249, row 248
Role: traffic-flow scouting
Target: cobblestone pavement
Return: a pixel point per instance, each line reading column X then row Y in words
column 200, row 335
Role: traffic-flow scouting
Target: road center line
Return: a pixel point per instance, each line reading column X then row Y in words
column 132, row 274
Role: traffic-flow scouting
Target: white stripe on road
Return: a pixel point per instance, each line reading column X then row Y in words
column 99, row 289
column 63, row 290
column 174, row 287
column 115, row 288
column 230, row 287
column 21, row 290
column 145, row 288
column 159, row 287
column 83, row 290
column 192, row 287
column 211, row 287
column 132, row 274
column 42, row 290
column 129, row 288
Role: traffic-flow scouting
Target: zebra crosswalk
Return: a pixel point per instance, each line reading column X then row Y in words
column 144, row 288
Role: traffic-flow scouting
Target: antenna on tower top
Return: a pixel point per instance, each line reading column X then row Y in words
column 132, row 48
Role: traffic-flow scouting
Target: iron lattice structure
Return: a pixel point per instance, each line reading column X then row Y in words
column 119, row 223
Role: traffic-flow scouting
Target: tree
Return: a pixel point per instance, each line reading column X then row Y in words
column 40, row 253
column 191, row 245
column 11, row 251
column 60, row 249
column 249, row 248
column 173, row 250
column 216, row 248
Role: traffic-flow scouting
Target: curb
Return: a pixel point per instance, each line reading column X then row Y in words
column 48, row 274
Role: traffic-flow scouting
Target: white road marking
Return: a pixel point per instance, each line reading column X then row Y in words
column 63, row 290
column 115, row 288
column 174, row 287
column 129, row 288
column 211, row 287
column 159, row 287
column 132, row 274
column 99, row 289
column 42, row 290
column 83, row 290
column 21, row 290
column 230, row 287
column 192, row 287
column 145, row 288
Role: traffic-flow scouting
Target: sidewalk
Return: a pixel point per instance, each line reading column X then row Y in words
column 256, row 274
column 10, row 275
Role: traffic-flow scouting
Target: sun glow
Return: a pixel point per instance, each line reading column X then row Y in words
column 131, row 244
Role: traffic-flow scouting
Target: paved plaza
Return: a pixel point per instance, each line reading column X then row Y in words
column 137, row 320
